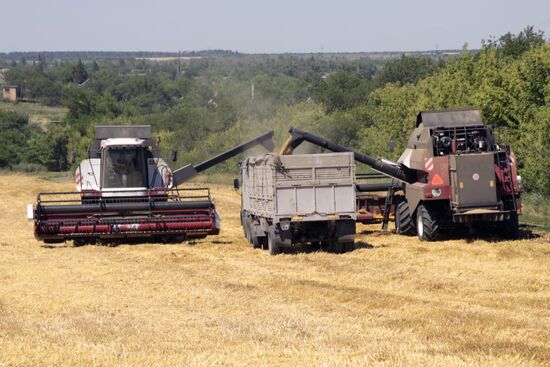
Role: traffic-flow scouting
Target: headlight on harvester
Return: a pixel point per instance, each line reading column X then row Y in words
column 436, row 193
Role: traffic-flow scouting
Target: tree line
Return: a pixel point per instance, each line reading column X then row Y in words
column 203, row 106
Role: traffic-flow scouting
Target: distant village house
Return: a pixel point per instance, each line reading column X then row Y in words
column 10, row 93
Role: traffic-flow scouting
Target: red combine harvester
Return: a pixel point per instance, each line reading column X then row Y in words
column 125, row 190
column 452, row 174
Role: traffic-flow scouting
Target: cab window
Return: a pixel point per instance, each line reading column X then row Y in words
column 124, row 167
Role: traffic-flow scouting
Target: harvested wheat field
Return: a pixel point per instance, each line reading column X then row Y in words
column 392, row 301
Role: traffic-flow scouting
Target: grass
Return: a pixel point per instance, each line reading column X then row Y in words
column 392, row 301
column 536, row 210
column 38, row 114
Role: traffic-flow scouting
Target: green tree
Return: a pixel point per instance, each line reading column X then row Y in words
column 343, row 91
column 50, row 148
column 14, row 134
column 79, row 74
column 41, row 63
column 406, row 69
column 514, row 45
column 392, row 111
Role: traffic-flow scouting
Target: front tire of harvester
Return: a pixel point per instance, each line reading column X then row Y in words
column 336, row 246
column 349, row 246
column 427, row 227
column 52, row 241
column 404, row 223
column 273, row 244
column 315, row 245
column 79, row 242
column 509, row 229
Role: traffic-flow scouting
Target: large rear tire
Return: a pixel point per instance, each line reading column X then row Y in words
column 509, row 229
column 404, row 223
column 427, row 227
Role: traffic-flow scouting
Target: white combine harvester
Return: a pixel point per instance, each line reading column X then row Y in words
column 125, row 190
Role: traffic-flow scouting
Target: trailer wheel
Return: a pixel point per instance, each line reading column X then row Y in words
column 273, row 243
column 243, row 223
column 404, row 223
column 256, row 241
column 245, row 219
column 246, row 228
column 427, row 227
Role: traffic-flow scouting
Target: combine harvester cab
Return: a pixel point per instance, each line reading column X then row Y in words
column 125, row 190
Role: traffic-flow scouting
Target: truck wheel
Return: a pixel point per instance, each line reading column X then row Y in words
column 273, row 243
column 404, row 223
column 246, row 230
column 427, row 227
column 243, row 221
column 256, row 241
column 509, row 228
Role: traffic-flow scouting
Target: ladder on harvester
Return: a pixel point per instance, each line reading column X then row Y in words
column 388, row 204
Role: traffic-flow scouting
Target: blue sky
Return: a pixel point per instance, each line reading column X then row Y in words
column 262, row 26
